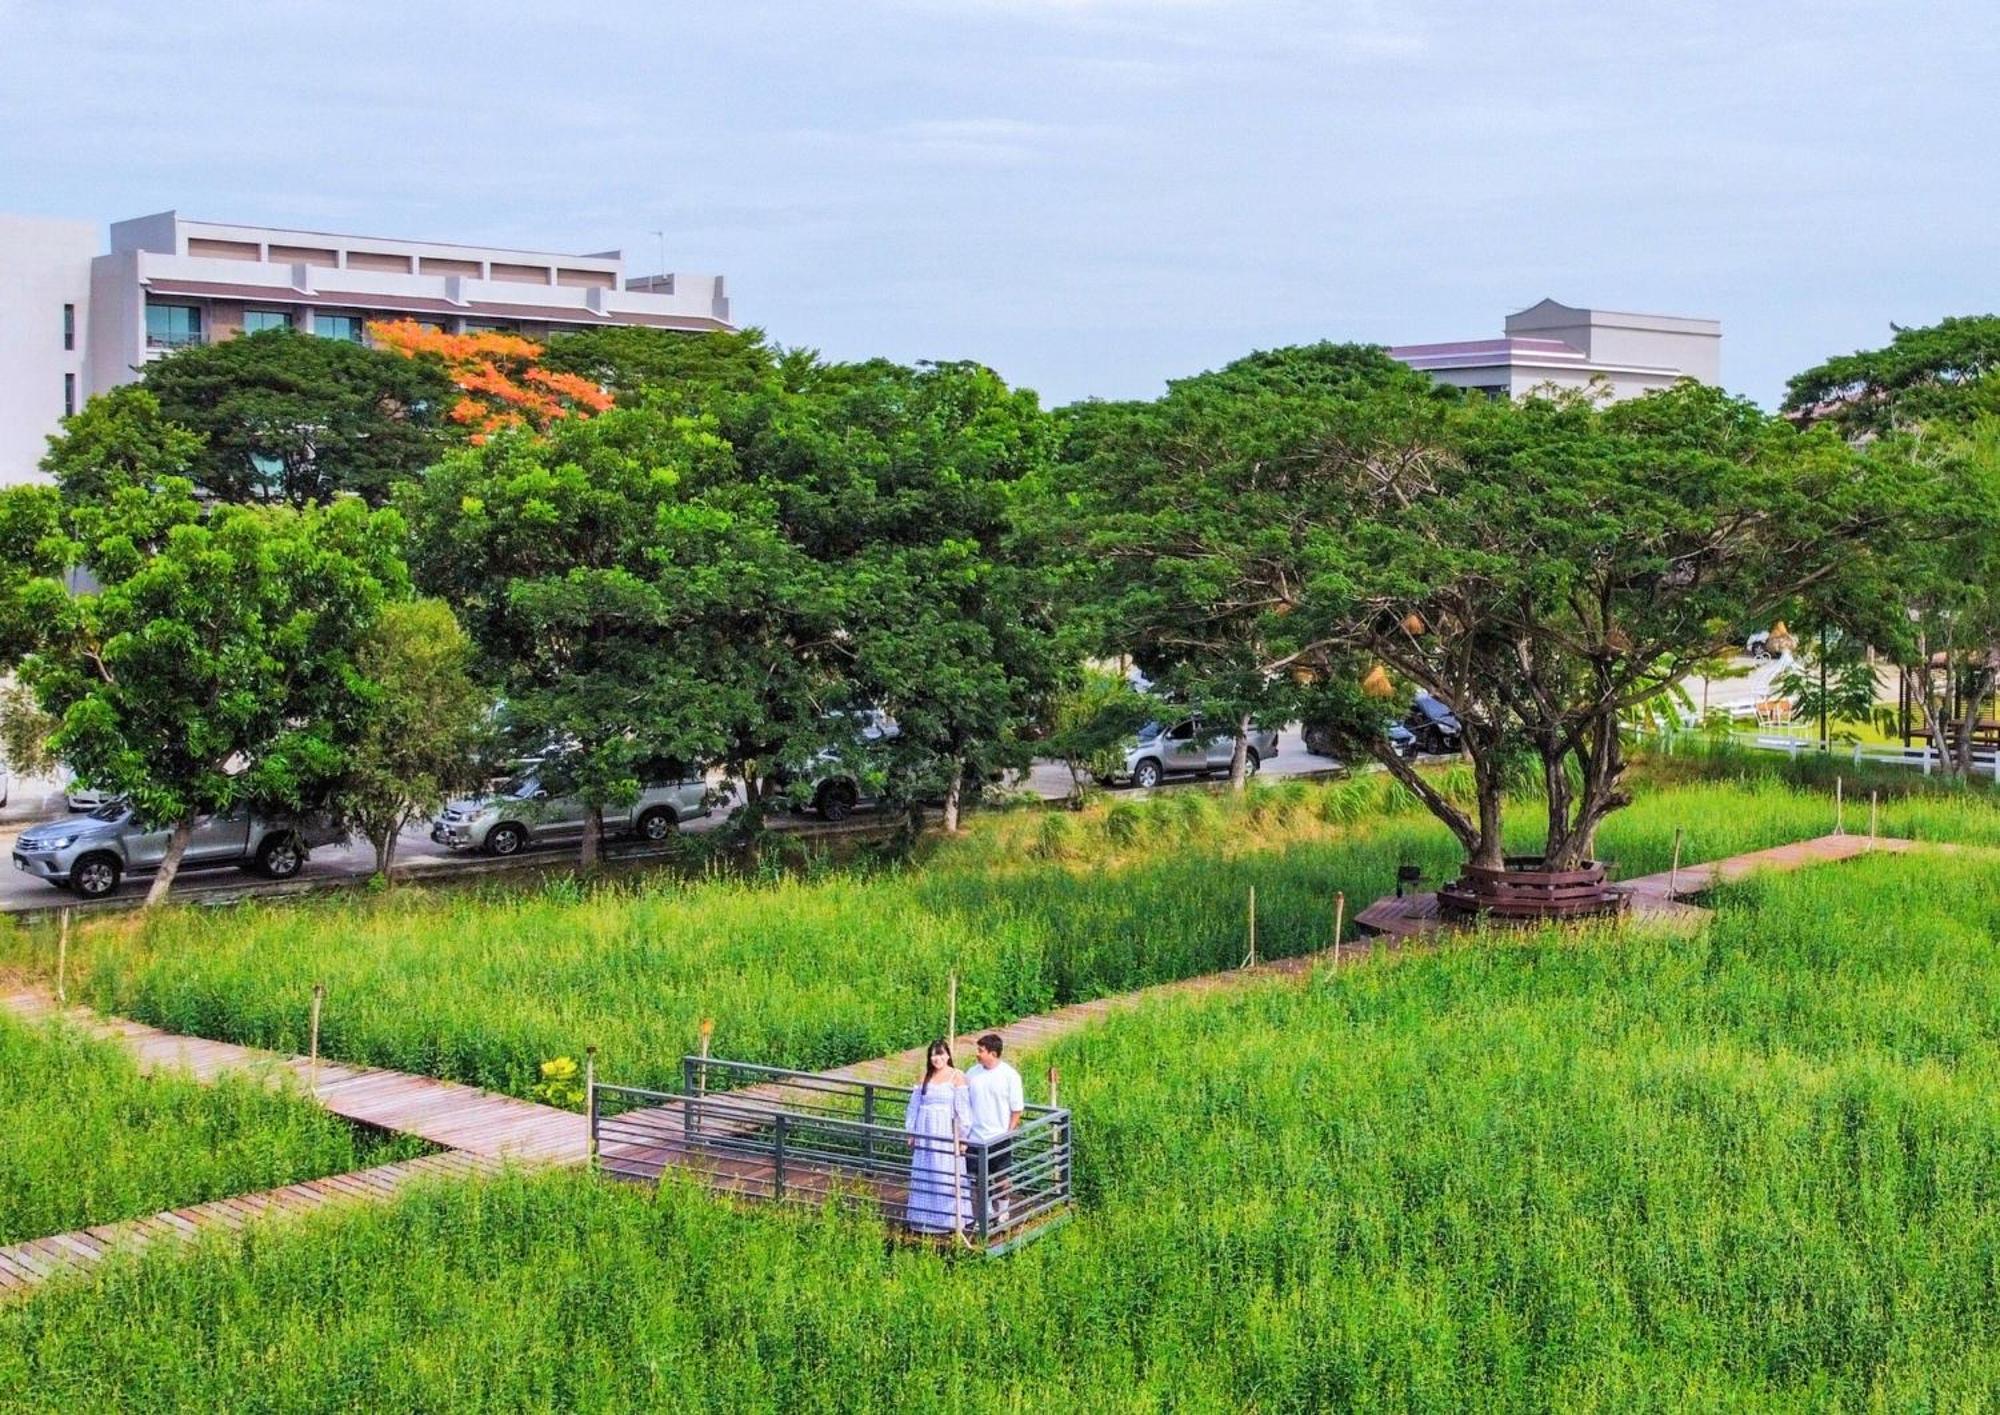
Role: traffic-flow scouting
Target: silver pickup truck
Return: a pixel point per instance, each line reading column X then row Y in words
column 92, row 853
column 535, row 809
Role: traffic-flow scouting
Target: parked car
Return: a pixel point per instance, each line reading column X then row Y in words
column 1430, row 728
column 539, row 808
column 93, row 853
column 836, row 783
column 83, row 798
column 1188, row 748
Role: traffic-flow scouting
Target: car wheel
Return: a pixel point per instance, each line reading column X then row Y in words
column 94, row 876
column 505, row 840
column 836, row 801
column 280, row 857
column 658, row 824
column 1251, row 761
column 1147, row 774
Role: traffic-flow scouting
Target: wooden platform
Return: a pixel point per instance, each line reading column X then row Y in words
column 1659, row 899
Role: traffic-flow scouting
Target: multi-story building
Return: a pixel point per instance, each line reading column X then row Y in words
column 74, row 321
column 1555, row 344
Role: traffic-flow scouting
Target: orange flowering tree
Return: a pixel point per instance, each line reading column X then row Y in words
column 500, row 380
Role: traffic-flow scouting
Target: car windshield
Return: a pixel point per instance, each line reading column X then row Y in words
column 519, row 786
column 1148, row 732
column 110, row 811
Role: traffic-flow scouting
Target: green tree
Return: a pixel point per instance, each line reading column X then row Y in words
column 1203, row 523
column 421, row 723
column 1091, row 720
column 635, row 363
column 290, row 418
column 215, row 668
column 119, row 439
column 1948, row 372
column 587, row 568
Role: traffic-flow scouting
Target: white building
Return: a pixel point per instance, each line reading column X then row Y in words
column 74, row 321
column 1556, row 344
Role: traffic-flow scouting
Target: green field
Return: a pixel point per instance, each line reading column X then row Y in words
column 1599, row 1171
column 1033, row 909
column 86, row 1139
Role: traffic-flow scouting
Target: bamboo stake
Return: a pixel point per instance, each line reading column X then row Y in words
column 701, row 1079
column 1674, row 874
column 590, row 1100
column 1251, row 960
column 951, row 1018
column 62, row 963
column 1052, row 1089
column 319, row 997
column 1339, row 920
column 1839, row 809
column 1872, row 801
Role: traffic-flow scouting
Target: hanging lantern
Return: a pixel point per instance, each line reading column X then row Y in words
column 1413, row 624
column 1376, row 684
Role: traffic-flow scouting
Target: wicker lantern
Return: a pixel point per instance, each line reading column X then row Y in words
column 1376, row 684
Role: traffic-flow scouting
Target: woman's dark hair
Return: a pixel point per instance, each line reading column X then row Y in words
column 929, row 1070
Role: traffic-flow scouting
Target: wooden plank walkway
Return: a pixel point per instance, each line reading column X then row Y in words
column 26, row 1265
column 447, row 1114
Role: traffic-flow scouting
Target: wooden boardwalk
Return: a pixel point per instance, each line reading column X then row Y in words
column 24, row 1266
column 445, row 1113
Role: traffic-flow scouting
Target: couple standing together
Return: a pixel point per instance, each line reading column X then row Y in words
column 952, row 1117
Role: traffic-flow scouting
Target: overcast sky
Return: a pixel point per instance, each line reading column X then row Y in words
column 1090, row 195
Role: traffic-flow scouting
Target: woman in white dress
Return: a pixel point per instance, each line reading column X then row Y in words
column 939, row 1116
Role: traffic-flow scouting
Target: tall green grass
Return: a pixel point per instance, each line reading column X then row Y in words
column 482, row 986
column 1597, row 1171
column 85, row 1139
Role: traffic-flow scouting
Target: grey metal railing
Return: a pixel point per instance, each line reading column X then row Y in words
column 797, row 1137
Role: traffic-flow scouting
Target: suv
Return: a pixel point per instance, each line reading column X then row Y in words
column 91, row 854
column 1187, row 748
column 539, row 808
column 837, row 788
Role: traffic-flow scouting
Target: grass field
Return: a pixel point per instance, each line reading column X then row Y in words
column 1032, row 910
column 85, row 1139
column 1592, row 1171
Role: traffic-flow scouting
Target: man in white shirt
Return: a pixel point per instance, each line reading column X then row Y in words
column 997, row 1102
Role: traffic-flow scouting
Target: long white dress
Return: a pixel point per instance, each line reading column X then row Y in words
column 939, row 1116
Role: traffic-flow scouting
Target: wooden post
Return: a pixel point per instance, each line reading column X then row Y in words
column 1839, row 809
column 951, row 1014
column 62, row 962
column 590, row 1101
column 1872, row 801
column 1052, row 1089
column 1674, row 874
column 707, row 1031
column 1339, row 920
column 319, row 997
column 1251, row 960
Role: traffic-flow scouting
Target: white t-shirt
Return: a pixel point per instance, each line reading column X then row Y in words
column 996, row 1095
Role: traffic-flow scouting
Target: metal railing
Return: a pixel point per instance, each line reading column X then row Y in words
column 797, row 1137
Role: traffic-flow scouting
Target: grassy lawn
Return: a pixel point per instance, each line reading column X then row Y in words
column 85, row 1139
column 1032, row 910
column 1575, row 1170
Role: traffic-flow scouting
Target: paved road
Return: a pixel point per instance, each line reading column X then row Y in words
column 421, row 858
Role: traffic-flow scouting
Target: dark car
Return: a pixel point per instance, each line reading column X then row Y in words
column 1430, row 728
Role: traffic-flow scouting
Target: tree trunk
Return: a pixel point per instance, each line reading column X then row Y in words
column 593, row 839
column 1978, row 686
column 951, row 795
column 385, row 855
column 1239, row 755
column 170, row 863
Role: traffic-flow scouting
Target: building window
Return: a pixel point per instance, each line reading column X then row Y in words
column 172, row 326
column 338, row 326
column 69, row 395
column 69, row 326
column 257, row 321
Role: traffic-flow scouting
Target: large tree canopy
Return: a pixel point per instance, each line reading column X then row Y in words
column 1945, row 372
column 291, row 418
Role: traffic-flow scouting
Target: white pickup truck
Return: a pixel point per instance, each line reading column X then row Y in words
column 535, row 809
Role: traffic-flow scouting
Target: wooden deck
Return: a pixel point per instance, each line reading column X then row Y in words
column 1659, row 899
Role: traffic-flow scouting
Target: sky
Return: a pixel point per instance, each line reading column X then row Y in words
column 1091, row 196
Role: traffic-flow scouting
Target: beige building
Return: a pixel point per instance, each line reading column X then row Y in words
column 1551, row 344
column 74, row 321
